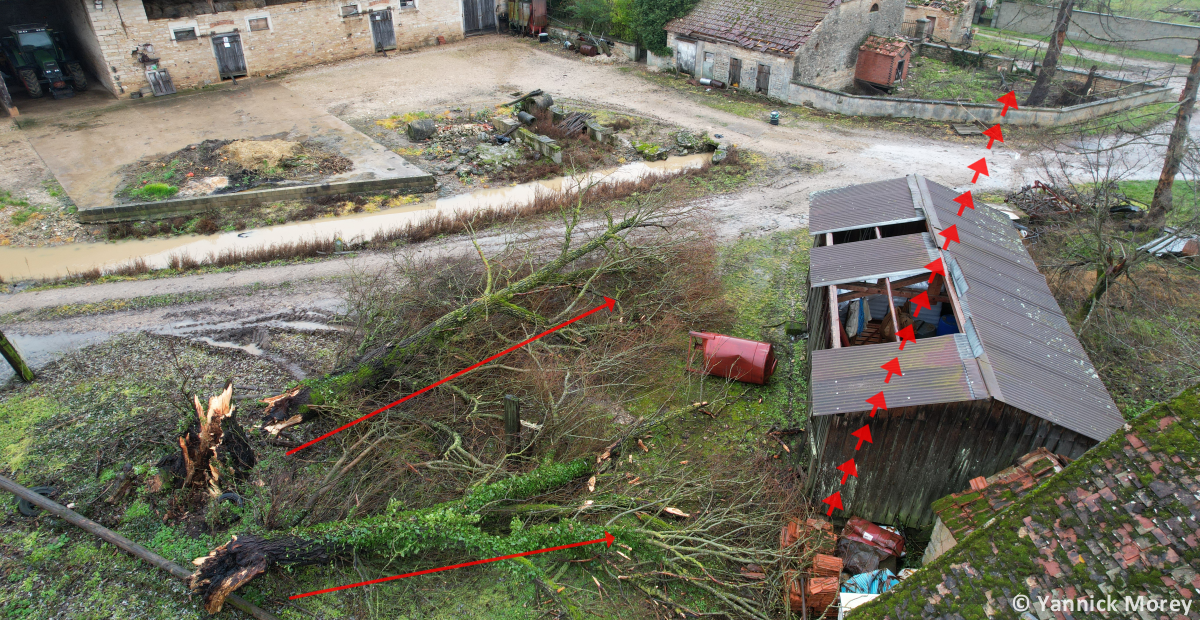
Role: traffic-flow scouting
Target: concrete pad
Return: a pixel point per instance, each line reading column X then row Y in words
column 87, row 148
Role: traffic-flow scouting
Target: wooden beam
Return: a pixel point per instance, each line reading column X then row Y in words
column 835, row 324
column 907, row 293
column 892, row 309
column 958, row 313
column 24, row 373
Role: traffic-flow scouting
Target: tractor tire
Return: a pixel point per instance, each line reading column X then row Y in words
column 78, row 78
column 30, row 80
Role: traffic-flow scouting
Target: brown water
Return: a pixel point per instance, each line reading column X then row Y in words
column 59, row 261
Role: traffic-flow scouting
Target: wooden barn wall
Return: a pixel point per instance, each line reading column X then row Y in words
column 922, row 454
column 817, row 312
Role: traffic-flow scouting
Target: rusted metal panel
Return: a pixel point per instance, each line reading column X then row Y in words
column 898, row 257
column 860, row 206
column 936, row 370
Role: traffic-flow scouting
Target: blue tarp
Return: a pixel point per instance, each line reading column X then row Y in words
column 874, row 582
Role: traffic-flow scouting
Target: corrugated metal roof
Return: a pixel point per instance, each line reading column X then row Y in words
column 898, row 257
column 860, row 206
column 936, row 370
column 1038, row 363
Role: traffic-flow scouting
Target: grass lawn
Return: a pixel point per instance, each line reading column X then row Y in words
column 1007, row 40
column 1183, row 195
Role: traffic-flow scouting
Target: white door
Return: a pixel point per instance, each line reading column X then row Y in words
column 686, row 55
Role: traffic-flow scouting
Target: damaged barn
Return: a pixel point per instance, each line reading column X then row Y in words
column 995, row 370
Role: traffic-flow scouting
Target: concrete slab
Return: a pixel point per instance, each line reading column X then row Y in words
column 86, row 148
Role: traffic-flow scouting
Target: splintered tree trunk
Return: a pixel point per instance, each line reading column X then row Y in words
column 7, row 349
column 1162, row 202
column 1041, row 88
column 240, row 560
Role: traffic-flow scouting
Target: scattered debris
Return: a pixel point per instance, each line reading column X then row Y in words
column 1173, row 243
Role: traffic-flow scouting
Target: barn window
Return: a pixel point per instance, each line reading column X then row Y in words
column 875, row 8
column 349, row 10
column 184, row 34
column 259, row 23
column 408, row 4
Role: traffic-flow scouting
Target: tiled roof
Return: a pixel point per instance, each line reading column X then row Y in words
column 1123, row 520
column 888, row 46
column 962, row 513
column 771, row 26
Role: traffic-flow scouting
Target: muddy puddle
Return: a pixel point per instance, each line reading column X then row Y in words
column 54, row 262
column 249, row 335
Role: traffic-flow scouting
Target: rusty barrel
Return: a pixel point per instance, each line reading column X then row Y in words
column 749, row 361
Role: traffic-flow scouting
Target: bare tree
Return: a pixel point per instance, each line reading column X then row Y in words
column 1175, row 146
column 1041, row 88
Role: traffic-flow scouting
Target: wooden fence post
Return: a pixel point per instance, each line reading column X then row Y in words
column 512, row 422
column 24, row 373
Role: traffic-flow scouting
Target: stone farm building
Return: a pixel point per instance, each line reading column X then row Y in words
column 949, row 21
column 995, row 371
column 762, row 45
column 204, row 41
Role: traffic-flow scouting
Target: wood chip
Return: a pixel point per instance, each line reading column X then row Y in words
column 643, row 446
column 675, row 511
column 592, row 484
column 637, row 480
column 683, row 462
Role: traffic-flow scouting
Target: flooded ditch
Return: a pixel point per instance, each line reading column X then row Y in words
column 18, row 264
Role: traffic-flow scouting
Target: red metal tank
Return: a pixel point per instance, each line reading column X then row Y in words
column 749, row 361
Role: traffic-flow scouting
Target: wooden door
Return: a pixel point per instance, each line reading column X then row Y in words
column 382, row 29
column 231, row 62
column 686, row 57
column 763, row 84
column 478, row 15
column 735, row 73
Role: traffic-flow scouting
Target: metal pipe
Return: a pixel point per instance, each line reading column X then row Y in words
column 109, row 536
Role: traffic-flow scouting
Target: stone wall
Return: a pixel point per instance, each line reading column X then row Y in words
column 962, row 112
column 299, row 34
column 1142, row 34
column 781, row 66
column 829, row 55
column 86, row 44
column 946, row 25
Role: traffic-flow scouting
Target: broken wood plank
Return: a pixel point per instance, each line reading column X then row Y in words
column 10, row 353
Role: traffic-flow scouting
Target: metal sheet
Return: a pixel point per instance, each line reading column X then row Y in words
column 894, row 257
column 936, row 370
column 861, row 206
column 1039, row 364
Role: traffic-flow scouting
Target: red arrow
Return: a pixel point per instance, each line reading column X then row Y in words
column 893, row 368
column 906, row 336
column 608, row 304
column 834, row 501
column 1009, row 100
column 848, row 469
column 993, row 133
column 937, row 267
column 863, row 434
column 980, row 167
column 951, row 234
column 922, row 301
column 607, row 540
column 965, row 201
column 877, row 402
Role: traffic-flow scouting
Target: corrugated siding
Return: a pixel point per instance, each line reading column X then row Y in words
column 1040, row 365
column 860, row 206
column 921, row 454
column 935, row 371
column 898, row 257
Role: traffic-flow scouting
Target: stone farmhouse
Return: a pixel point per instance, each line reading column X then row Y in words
column 763, row 45
column 947, row 21
column 200, row 42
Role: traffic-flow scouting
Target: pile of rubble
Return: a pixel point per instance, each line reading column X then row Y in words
column 846, row 570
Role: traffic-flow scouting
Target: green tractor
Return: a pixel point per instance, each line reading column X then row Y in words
column 37, row 56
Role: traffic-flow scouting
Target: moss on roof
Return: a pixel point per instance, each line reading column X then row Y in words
column 1122, row 520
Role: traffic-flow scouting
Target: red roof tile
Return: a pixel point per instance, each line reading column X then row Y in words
column 772, row 26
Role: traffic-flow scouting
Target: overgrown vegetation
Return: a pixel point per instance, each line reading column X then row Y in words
column 636, row 21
